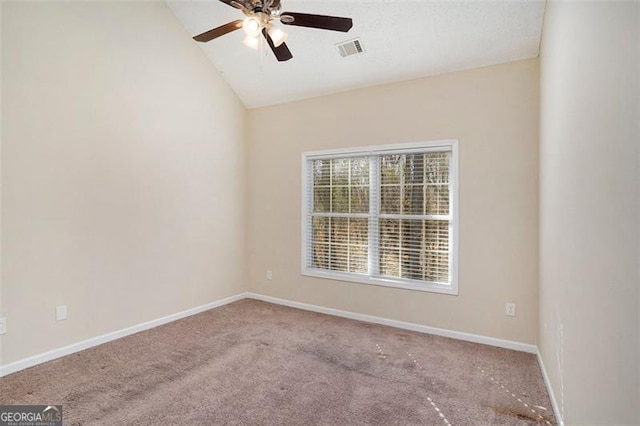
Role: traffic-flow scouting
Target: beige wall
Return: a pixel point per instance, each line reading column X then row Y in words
column 494, row 113
column 589, row 195
column 122, row 172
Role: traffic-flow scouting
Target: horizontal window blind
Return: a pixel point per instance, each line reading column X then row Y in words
column 384, row 215
column 339, row 209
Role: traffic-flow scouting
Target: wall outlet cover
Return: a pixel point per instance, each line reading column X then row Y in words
column 510, row 309
column 61, row 312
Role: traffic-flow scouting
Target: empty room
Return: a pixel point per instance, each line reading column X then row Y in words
column 287, row 212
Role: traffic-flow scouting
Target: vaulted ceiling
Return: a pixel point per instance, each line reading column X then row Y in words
column 402, row 40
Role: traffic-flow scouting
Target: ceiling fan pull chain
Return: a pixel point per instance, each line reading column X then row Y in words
column 263, row 53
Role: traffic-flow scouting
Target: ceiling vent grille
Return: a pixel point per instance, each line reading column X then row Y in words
column 351, row 47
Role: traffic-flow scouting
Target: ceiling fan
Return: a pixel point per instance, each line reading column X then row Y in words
column 259, row 17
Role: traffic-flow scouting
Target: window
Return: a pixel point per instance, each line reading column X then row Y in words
column 382, row 215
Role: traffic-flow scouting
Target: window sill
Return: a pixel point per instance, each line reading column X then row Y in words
column 385, row 282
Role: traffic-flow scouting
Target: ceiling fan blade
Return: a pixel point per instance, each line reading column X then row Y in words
column 282, row 52
column 238, row 4
column 220, row 31
column 322, row 22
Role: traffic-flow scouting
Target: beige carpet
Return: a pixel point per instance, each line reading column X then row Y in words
column 254, row 363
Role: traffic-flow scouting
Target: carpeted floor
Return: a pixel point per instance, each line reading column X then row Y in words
column 254, row 363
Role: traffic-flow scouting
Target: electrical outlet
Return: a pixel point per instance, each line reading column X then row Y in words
column 61, row 312
column 510, row 309
column 3, row 325
column 269, row 275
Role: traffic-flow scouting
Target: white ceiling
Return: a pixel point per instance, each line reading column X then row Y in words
column 402, row 40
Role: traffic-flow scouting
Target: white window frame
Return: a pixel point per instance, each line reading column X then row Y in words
column 405, row 148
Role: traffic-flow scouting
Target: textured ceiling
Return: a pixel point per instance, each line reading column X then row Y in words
column 402, row 40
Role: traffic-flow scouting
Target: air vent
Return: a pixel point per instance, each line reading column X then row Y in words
column 351, row 47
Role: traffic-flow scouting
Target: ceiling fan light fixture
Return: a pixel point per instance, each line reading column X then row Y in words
column 277, row 35
column 252, row 26
column 252, row 42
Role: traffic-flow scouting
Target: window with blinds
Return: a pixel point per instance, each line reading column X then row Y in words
column 382, row 215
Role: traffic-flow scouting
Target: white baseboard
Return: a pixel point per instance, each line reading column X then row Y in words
column 492, row 341
column 95, row 341
column 552, row 395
